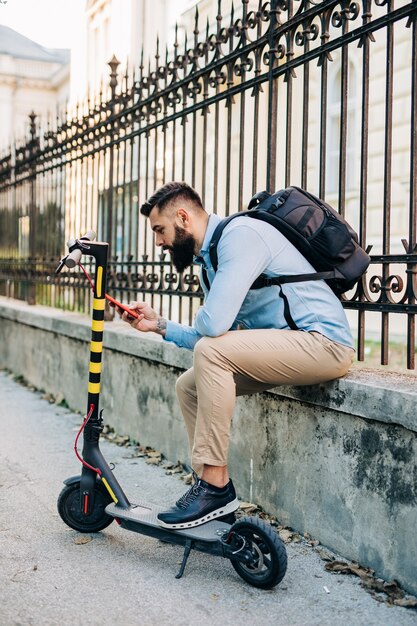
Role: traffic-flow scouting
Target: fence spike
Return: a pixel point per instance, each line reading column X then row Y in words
column 196, row 31
column 176, row 44
column 157, row 51
column 141, row 60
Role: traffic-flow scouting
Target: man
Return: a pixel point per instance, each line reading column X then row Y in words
column 241, row 341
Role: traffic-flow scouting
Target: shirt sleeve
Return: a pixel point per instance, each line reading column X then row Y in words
column 182, row 335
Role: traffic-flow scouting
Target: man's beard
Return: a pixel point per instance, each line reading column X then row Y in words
column 182, row 249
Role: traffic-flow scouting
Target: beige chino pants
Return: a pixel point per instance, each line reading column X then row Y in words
column 243, row 362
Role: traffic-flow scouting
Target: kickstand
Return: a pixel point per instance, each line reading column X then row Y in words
column 187, row 550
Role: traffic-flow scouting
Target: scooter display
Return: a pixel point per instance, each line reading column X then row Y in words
column 91, row 501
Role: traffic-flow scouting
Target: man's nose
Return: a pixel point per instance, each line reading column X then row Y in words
column 159, row 240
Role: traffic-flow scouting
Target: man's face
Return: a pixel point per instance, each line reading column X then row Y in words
column 174, row 238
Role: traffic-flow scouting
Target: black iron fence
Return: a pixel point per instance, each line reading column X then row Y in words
column 319, row 94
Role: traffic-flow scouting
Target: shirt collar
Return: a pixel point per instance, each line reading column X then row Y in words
column 211, row 227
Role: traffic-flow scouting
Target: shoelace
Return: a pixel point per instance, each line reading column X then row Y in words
column 190, row 495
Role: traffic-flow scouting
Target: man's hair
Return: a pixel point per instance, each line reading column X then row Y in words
column 168, row 193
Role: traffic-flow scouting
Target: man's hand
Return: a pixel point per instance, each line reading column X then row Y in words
column 147, row 321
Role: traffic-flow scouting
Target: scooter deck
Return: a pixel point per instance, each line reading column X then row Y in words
column 143, row 515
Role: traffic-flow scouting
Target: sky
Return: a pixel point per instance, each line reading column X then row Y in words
column 51, row 23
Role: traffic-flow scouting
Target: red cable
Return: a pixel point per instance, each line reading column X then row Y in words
column 79, row 457
column 87, row 276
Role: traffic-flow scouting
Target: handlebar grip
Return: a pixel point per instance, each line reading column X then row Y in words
column 74, row 257
column 90, row 235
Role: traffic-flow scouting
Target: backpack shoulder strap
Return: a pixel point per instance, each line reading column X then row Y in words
column 205, row 278
column 216, row 238
column 251, row 212
column 213, row 247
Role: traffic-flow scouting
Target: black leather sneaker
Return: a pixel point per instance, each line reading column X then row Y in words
column 200, row 504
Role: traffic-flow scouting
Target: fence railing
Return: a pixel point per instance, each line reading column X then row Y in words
column 283, row 92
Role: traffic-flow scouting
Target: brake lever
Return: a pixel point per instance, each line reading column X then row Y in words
column 61, row 264
column 78, row 244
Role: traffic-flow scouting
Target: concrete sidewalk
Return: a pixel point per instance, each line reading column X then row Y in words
column 46, row 578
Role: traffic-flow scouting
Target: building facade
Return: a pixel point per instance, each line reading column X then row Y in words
column 32, row 78
column 129, row 30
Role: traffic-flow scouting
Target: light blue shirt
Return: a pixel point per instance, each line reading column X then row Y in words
column 247, row 248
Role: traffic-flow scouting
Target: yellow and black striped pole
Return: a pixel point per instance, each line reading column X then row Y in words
column 94, row 464
column 96, row 345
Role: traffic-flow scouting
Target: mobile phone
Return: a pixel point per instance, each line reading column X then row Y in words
column 121, row 305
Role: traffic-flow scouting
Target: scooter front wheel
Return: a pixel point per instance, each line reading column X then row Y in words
column 69, row 508
column 267, row 562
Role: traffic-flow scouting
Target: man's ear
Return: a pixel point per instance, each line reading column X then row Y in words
column 183, row 218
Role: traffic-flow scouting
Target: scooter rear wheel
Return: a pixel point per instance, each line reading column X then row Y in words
column 269, row 557
column 69, row 508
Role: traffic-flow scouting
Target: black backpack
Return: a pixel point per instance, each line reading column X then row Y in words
column 322, row 235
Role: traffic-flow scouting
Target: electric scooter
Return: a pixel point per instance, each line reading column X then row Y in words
column 90, row 502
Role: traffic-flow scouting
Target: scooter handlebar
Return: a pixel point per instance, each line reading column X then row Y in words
column 74, row 257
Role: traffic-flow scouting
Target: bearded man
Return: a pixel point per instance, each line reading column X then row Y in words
column 241, row 340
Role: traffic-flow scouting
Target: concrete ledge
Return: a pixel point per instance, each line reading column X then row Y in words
column 371, row 394
column 338, row 460
column 367, row 393
column 117, row 336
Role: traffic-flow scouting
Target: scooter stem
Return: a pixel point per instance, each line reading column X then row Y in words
column 91, row 450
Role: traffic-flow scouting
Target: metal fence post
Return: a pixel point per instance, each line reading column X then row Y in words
column 31, row 293
column 114, row 64
column 272, row 102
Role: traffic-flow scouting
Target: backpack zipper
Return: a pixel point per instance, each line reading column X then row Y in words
column 314, row 199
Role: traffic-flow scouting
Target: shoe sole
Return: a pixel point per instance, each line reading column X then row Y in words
column 231, row 507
